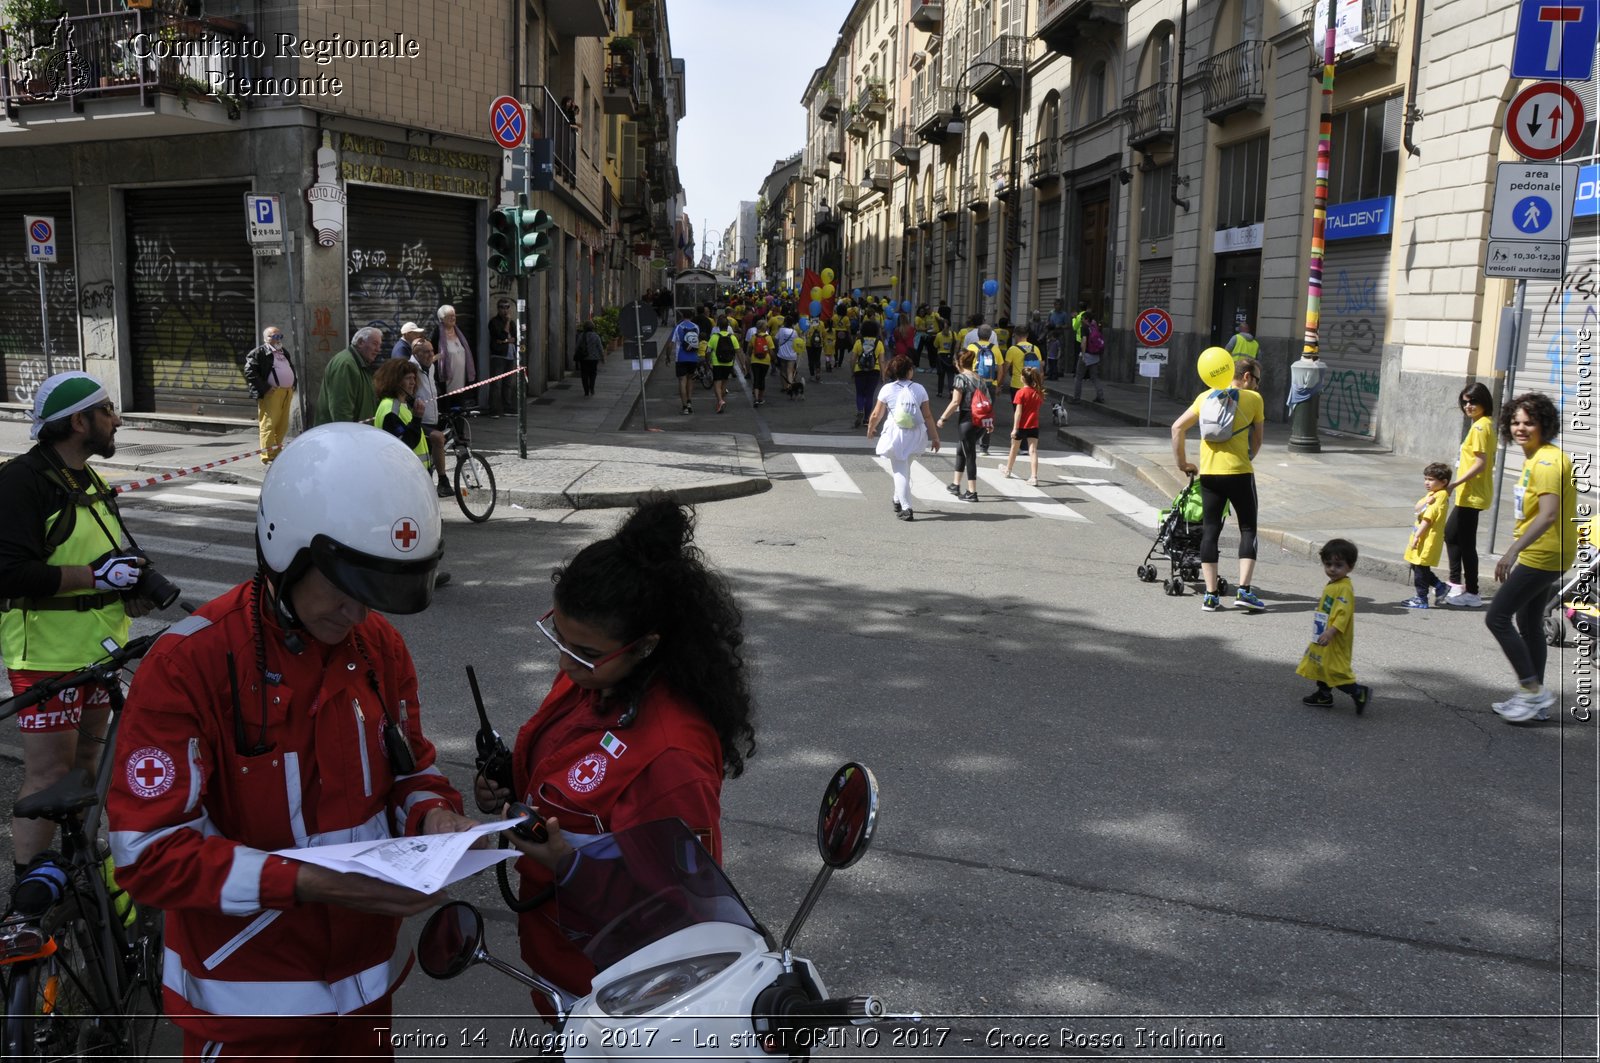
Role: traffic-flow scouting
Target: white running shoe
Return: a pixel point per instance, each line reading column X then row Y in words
column 1523, row 706
column 1464, row 600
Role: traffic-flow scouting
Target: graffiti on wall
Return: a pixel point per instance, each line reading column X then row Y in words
column 21, row 339
column 1570, row 319
column 193, row 318
column 391, row 287
column 1351, row 332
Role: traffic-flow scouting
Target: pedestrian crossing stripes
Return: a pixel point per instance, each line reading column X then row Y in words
column 1059, row 495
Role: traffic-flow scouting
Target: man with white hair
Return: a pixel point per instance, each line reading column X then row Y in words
column 347, row 392
column 269, row 376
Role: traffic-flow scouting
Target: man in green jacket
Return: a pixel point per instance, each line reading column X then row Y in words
column 347, row 393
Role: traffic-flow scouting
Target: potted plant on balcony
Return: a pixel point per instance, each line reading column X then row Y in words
column 30, row 39
column 624, row 45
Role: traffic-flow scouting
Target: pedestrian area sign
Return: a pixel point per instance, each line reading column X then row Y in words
column 1530, row 220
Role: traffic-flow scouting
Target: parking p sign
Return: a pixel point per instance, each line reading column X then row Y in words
column 39, row 233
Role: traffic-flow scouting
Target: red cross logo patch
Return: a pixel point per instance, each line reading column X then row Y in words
column 150, row 772
column 405, row 534
column 587, row 773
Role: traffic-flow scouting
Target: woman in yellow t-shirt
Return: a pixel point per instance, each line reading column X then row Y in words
column 1227, row 477
column 1473, row 487
column 1545, row 544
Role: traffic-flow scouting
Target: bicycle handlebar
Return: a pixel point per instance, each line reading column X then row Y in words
column 100, row 671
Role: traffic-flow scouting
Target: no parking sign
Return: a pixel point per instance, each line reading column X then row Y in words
column 39, row 232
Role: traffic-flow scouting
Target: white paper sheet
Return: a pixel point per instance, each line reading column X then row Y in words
column 423, row 862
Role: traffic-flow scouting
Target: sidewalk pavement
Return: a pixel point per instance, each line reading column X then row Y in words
column 580, row 457
column 1352, row 489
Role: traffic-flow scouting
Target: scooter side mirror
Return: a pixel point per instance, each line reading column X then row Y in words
column 848, row 815
column 451, row 940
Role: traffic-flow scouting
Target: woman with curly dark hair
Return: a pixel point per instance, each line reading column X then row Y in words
column 1545, row 545
column 650, row 712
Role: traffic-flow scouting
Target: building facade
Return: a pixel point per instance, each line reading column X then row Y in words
column 1160, row 153
column 141, row 130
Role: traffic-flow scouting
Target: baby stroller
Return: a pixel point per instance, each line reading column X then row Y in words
column 1178, row 537
column 1574, row 602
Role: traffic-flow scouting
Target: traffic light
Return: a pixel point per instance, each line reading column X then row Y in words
column 534, row 238
column 519, row 241
column 503, row 240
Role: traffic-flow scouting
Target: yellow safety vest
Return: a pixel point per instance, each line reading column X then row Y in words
column 403, row 411
column 63, row 633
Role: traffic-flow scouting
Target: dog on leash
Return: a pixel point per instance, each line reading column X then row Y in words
column 1058, row 413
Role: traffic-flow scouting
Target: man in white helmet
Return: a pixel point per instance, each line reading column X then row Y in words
column 285, row 714
column 69, row 579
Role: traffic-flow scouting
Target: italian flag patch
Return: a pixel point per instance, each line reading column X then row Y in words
column 613, row 745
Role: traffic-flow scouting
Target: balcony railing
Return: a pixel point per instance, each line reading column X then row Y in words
column 927, row 17
column 860, row 124
column 831, row 105
column 553, row 122
column 997, row 71
column 1150, row 114
column 1381, row 24
column 931, row 113
column 872, row 101
column 1043, row 160
column 847, row 197
column 975, row 193
column 944, row 204
column 607, row 208
column 624, row 85
column 78, row 58
column 880, row 173
column 1063, row 23
column 1235, row 80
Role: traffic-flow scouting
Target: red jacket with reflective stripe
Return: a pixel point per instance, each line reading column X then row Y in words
column 193, row 820
column 670, row 765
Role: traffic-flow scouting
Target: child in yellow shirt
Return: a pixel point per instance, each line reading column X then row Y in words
column 1427, row 538
column 1333, row 632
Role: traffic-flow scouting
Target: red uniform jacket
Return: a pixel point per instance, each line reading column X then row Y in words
column 669, row 764
column 193, row 821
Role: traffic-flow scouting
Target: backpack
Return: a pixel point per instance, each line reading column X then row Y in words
column 867, row 360
column 905, row 408
column 1030, row 356
column 1093, row 341
column 1217, row 414
column 987, row 368
column 982, row 407
column 761, row 347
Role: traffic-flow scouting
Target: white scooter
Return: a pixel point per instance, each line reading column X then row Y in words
column 684, row 969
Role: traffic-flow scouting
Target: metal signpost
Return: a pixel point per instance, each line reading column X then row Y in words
column 639, row 321
column 508, row 124
column 1533, row 202
column 1154, row 329
column 269, row 238
column 39, row 233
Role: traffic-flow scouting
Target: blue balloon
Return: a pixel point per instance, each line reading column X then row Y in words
column 905, row 306
column 816, row 308
column 855, row 293
column 990, row 287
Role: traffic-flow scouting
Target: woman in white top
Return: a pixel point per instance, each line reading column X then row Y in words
column 908, row 428
column 455, row 355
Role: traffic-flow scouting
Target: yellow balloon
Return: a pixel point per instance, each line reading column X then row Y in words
column 894, row 281
column 816, row 293
column 827, row 291
column 1215, row 367
column 827, row 275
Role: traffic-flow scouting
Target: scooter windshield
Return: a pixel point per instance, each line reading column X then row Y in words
column 623, row 891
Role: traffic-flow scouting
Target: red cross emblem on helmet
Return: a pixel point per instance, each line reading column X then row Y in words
column 405, row 534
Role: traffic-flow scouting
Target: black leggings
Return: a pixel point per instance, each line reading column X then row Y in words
column 967, row 450
column 1461, row 545
column 1240, row 490
column 1522, row 597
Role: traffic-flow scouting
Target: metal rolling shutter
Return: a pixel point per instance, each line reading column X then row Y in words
column 191, row 299
column 1556, row 312
column 22, row 365
column 1355, row 316
column 410, row 254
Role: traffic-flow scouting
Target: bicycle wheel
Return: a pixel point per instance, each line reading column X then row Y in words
column 58, row 1007
column 474, row 483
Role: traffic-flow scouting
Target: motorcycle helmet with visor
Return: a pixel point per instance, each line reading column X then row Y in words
column 355, row 503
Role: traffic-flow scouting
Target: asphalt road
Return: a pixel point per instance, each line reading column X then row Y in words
column 1102, row 809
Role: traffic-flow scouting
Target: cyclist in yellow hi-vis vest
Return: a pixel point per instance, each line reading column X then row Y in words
column 70, row 577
